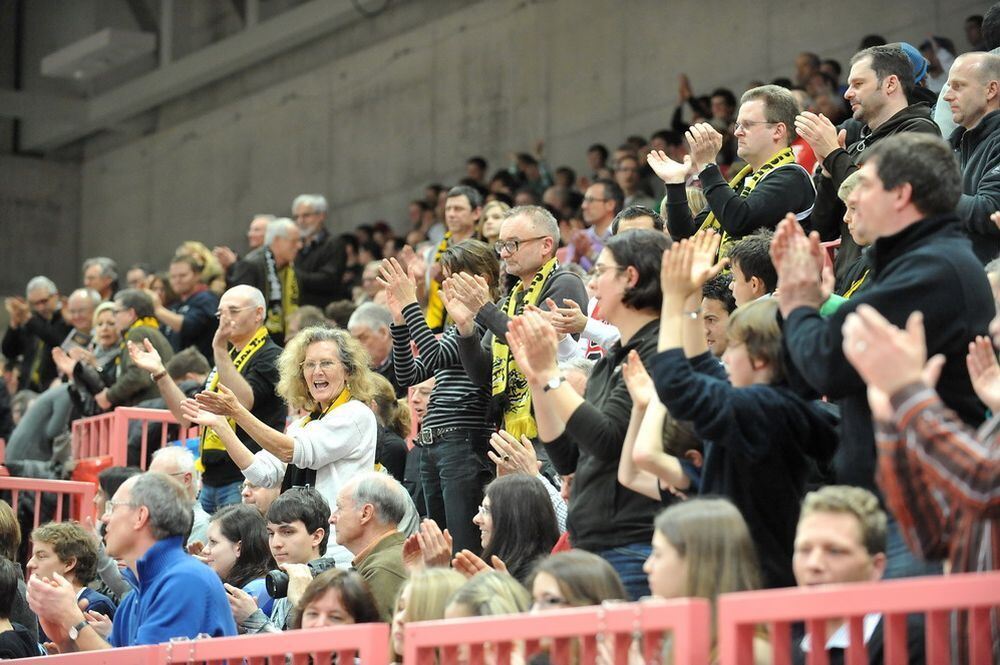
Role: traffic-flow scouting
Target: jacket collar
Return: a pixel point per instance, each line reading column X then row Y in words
column 989, row 124
column 158, row 559
column 886, row 250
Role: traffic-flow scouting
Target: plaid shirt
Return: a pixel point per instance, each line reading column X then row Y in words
column 941, row 480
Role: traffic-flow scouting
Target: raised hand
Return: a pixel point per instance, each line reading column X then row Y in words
column 63, row 361
column 145, row 357
column 223, row 402
column 460, row 313
column 225, row 256
column 639, row 383
column 435, row 544
column 984, row 372
column 398, row 284
column 568, row 320
column 534, row 344
column 705, row 143
column 817, row 130
column 193, row 412
column 666, row 169
column 886, row 357
column 472, row 290
column 513, row 456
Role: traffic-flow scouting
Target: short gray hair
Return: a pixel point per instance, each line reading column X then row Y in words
column 315, row 201
column 41, row 282
column 384, row 493
column 108, row 266
column 581, row 365
column 543, row 221
column 181, row 457
column 90, row 294
column 278, row 228
column 166, row 500
column 372, row 315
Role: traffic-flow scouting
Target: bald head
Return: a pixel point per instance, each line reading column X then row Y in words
column 80, row 308
column 974, row 88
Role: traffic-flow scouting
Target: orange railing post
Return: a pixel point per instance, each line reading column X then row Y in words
column 82, row 492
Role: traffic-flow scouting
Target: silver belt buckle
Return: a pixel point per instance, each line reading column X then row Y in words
column 426, row 437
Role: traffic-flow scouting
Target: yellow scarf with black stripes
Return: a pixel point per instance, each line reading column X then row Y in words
column 436, row 316
column 507, row 378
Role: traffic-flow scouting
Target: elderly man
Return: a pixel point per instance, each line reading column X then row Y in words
column 190, row 321
column 269, row 269
column 255, row 238
column 921, row 261
column 369, row 324
column 101, row 274
column 146, row 520
column 369, row 509
column 973, row 94
column 770, row 185
column 36, row 327
column 462, row 209
column 322, row 260
column 178, row 463
column 246, row 363
column 840, row 539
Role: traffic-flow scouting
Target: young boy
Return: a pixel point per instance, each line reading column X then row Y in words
column 66, row 548
column 757, row 432
column 754, row 275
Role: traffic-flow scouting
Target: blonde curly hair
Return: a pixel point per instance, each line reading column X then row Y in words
column 292, row 383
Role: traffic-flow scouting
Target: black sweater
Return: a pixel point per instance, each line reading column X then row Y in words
column 602, row 513
column 757, row 439
column 928, row 266
column 978, row 151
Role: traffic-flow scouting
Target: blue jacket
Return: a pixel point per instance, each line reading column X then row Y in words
column 177, row 596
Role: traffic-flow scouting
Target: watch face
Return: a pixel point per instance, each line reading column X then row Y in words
column 73, row 633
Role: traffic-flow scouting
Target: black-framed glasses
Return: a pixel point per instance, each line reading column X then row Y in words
column 511, row 246
column 750, row 124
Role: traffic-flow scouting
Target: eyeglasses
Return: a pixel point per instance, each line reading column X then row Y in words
column 231, row 311
column 511, row 246
column 40, row 301
column 312, row 366
column 599, row 270
column 109, row 507
column 750, row 124
column 592, row 199
column 306, row 214
column 483, row 510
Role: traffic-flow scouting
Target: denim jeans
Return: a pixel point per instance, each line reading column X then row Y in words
column 454, row 470
column 213, row 498
column 900, row 561
column 627, row 561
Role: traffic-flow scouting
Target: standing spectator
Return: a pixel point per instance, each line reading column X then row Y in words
column 146, row 523
column 463, row 207
column 909, row 186
column 269, row 269
column 717, row 303
column 627, row 175
column 320, row 263
column 255, row 238
column 190, row 320
column 36, row 327
column 245, row 363
column 101, row 274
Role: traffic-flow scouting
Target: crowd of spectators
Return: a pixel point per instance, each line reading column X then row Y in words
column 750, row 351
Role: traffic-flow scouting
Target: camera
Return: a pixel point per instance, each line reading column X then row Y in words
column 276, row 581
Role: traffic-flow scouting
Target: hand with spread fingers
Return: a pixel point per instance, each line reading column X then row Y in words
column 821, row 134
column 512, row 456
column 223, row 402
column 667, row 170
column 194, row 413
column 534, row 344
column 460, row 313
column 984, row 372
column 400, row 288
column 569, row 319
column 705, row 144
column 472, row 290
column 470, row 564
column 145, row 356
column 637, row 380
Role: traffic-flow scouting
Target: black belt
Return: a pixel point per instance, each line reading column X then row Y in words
column 426, row 436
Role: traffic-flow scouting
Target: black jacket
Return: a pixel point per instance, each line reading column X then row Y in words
column 828, row 213
column 319, row 268
column 928, row 266
column 757, row 441
column 602, row 513
column 978, row 151
column 22, row 343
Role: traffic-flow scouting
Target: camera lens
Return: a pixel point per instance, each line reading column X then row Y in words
column 276, row 583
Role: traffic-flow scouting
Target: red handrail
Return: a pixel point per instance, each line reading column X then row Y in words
column 84, row 506
column 107, row 433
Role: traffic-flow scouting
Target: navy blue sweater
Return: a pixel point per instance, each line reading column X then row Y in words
column 756, row 443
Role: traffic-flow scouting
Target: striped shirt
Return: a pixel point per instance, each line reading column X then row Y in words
column 455, row 401
column 941, row 480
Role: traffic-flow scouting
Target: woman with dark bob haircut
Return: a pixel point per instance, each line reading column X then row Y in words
column 237, row 550
column 518, row 523
column 586, row 434
column 334, row 598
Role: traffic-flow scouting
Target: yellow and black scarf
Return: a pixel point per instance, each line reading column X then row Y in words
column 282, row 294
column 436, row 316
column 209, row 439
column 508, row 381
column 743, row 183
column 296, row 477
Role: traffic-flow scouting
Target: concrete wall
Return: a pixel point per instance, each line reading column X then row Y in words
column 374, row 112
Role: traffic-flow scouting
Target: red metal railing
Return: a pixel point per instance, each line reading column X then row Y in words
column 937, row 597
column 679, row 627
column 107, row 434
column 81, row 496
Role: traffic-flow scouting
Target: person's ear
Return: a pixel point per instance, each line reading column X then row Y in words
column 367, row 513
column 141, row 517
column 70, row 565
column 695, row 457
column 317, row 536
column 632, row 275
column 757, row 286
column 237, row 546
column 879, row 562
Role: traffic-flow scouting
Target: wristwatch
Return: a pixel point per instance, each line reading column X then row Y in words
column 693, row 314
column 159, row 375
column 74, row 632
column 553, row 383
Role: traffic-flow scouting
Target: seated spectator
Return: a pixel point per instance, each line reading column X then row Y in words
column 702, row 549
column 369, row 510
column 494, row 213
column 517, row 525
column 236, row 549
column 717, row 303
column 64, row 548
column 574, row 579
column 628, row 176
column 113, row 582
column 101, row 274
column 393, row 424
column 488, row 594
column 324, row 371
column 577, row 372
column 841, row 540
column 297, row 533
column 135, row 321
column 754, row 275
column 602, row 201
column 260, row 498
column 586, row 435
column 16, row 641
column 10, row 544
column 335, row 598
column 339, row 312
column 178, row 462
column 322, row 259
column 423, row 597
column 137, row 276
column 306, row 316
column 146, row 523
column 36, row 327
column 189, row 321
column 761, row 464
column 636, row 217
column 212, row 274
